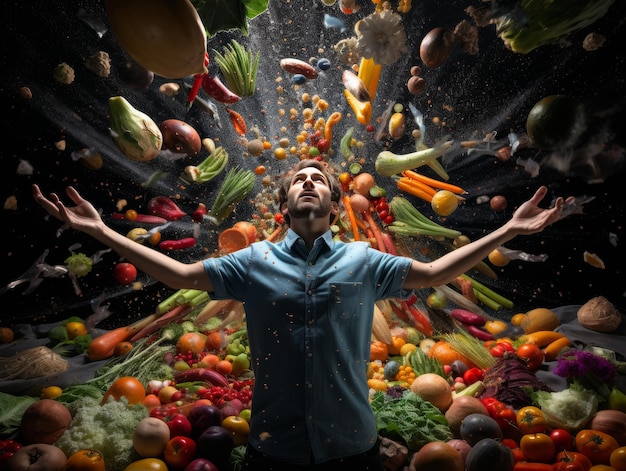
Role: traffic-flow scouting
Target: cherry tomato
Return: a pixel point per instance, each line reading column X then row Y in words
column 179, row 452
column 125, row 273
column 85, row 460
column 596, row 445
column 238, row 427
column 530, row 419
column 532, row 354
column 537, row 447
column 562, row 439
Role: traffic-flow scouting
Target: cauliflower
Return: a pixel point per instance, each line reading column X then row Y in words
column 108, row 428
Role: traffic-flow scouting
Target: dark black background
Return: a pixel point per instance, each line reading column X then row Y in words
column 471, row 94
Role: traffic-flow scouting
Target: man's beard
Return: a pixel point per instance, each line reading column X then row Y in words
column 308, row 211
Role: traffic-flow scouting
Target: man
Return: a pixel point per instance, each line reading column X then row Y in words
column 309, row 305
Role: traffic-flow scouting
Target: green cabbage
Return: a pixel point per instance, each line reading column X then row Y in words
column 538, row 22
column 570, row 408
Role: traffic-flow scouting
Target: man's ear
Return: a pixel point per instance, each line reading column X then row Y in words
column 284, row 209
column 334, row 207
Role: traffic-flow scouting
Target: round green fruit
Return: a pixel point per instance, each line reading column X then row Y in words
column 554, row 122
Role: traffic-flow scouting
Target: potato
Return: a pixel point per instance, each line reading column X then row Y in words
column 600, row 315
column 45, row 421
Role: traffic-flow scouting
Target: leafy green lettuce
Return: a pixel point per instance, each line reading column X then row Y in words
column 409, row 419
column 12, row 409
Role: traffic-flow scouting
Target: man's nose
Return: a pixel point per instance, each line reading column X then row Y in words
column 308, row 182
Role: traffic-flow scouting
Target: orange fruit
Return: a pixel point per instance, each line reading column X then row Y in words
column 444, row 202
column 74, row 329
column 396, row 345
column 224, row 367
column 378, row 351
column 126, row 386
column 498, row 259
column 444, row 352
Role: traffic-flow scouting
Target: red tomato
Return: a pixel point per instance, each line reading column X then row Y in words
column 562, row 439
column 532, row 354
column 571, row 461
column 537, row 447
column 596, row 445
column 125, row 273
column 179, row 452
column 126, row 386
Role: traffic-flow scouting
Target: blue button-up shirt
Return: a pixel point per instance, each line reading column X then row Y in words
column 309, row 320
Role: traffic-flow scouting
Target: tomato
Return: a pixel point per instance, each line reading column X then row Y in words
column 126, row 386
column 530, row 419
column 147, row 464
column 571, row 461
column 562, row 439
column 537, row 447
column 179, row 452
column 532, row 354
column 238, row 427
column 125, row 273
column 596, row 445
column 85, row 460
column 8, row 448
column 618, row 458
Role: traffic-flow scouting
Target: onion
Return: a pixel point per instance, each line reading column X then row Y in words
column 359, row 203
column 362, row 183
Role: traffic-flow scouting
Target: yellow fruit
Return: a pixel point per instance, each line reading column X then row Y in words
column 74, row 329
column 444, row 202
column 498, row 259
column 51, row 392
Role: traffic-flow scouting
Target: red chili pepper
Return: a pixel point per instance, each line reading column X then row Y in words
column 238, row 122
column 179, row 244
column 197, row 83
column 218, row 91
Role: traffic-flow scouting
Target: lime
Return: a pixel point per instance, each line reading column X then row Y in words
column 554, row 121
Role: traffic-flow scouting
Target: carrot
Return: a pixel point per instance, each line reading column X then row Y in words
column 352, row 217
column 434, row 183
column 275, row 233
column 417, row 184
column 542, row 338
column 376, row 230
column 103, row 346
column 389, row 245
column 404, row 186
column 330, row 124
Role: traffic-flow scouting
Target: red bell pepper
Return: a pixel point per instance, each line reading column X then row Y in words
column 501, row 413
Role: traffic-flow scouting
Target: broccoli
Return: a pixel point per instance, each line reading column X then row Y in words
column 532, row 23
column 79, row 264
column 58, row 334
column 108, row 428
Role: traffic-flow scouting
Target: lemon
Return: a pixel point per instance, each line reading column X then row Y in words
column 554, row 121
column 444, row 202
column 51, row 392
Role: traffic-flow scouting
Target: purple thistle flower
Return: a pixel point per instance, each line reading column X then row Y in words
column 586, row 368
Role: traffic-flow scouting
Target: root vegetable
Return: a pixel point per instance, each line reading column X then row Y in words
column 599, row 314
column 433, row 388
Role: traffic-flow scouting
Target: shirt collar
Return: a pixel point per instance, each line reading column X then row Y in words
column 292, row 237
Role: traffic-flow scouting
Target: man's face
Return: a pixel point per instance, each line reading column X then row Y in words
column 309, row 195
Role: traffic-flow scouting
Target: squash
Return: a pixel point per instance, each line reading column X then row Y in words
column 166, row 37
column 539, row 319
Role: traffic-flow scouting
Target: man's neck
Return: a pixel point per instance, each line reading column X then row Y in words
column 309, row 229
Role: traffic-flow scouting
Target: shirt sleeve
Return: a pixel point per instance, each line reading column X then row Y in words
column 228, row 274
column 390, row 272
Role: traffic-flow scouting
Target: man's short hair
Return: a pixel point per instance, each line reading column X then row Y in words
column 335, row 186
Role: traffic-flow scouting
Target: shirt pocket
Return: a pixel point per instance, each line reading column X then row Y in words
column 345, row 299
